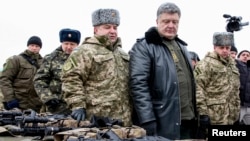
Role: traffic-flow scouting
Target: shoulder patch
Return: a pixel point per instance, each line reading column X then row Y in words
column 67, row 66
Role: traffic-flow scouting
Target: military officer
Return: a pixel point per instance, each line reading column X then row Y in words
column 218, row 83
column 16, row 81
column 47, row 80
column 95, row 76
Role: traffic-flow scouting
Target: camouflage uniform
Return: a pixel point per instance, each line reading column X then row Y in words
column 96, row 78
column 218, row 89
column 47, row 81
column 17, row 81
column 1, row 97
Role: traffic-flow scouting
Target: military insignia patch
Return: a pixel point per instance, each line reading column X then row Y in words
column 226, row 38
column 113, row 14
column 67, row 66
column 69, row 35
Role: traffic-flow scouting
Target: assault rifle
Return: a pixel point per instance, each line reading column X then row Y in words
column 109, row 135
column 8, row 117
column 39, row 131
column 114, row 137
column 30, row 124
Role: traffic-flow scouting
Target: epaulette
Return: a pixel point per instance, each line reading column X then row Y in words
column 140, row 39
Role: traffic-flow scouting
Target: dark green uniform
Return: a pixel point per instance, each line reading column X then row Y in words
column 16, row 80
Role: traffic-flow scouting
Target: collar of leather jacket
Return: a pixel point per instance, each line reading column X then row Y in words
column 152, row 36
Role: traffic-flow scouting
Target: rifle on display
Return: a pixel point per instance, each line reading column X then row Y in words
column 108, row 135
column 8, row 117
column 30, row 124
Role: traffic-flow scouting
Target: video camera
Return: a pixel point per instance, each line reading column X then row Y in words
column 234, row 23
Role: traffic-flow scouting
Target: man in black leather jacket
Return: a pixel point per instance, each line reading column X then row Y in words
column 161, row 79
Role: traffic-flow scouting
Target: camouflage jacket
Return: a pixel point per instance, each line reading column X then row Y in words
column 95, row 77
column 47, row 80
column 16, row 80
column 1, row 98
column 218, row 89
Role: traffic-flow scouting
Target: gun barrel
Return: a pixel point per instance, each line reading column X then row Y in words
column 29, row 131
column 12, row 113
column 38, row 131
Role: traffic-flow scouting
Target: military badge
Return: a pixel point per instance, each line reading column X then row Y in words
column 226, row 39
column 67, row 66
column 113, row 14
column 69, row 35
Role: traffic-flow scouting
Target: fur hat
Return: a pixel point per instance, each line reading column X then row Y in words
column 233, row 48
column 105, row 16
column 70, row 35
column 223, row 39
column 35, row 40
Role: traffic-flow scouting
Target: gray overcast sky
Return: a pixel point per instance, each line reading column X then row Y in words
column 21, row 19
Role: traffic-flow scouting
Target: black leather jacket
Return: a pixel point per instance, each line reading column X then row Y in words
column 154, row 84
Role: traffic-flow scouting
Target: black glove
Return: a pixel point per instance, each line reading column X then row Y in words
column 78, row 114
column 204, row 121
column 56, row 106
column 204, row 124
column 12, row 104
column 150, row 128
column 99, row 121
column 53, row 102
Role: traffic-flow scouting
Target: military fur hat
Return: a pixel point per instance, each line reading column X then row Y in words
column 105, row 16
column 223, row 39
column 35, row 40
column 70, row 35
column 233, row 48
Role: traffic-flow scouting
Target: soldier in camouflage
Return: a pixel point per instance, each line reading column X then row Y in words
column 95, row 76
column 16, row 81
column 218, row 84
column 47, row 81
column 1, row 97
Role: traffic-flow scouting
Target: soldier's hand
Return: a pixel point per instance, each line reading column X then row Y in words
column 12, row 104
column 202, row 132
column 79, row 114
column 204, row 121
column 150, row 128
column 53, row 102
